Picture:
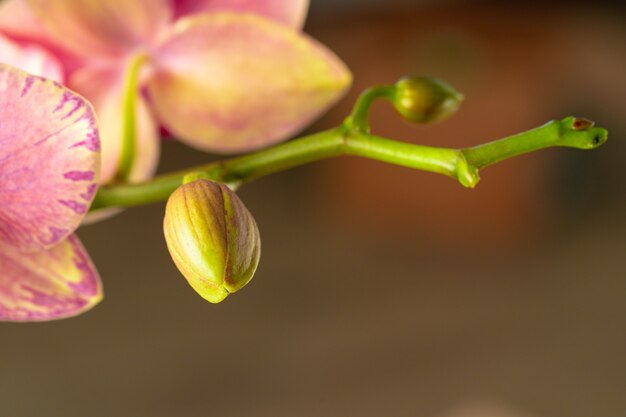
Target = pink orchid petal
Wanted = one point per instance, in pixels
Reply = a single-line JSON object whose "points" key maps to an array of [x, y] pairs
{"points": [[49, 160], [51, 284], [20, 24], [30, 58], [227, 82], [103, 87], [18, 20], [289, 12], [103, 28]]}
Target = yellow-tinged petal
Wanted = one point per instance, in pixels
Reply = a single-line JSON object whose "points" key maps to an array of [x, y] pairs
{"points": [[227, 82], [103, 86], [103, 28], [288, 12], [46, 285]]}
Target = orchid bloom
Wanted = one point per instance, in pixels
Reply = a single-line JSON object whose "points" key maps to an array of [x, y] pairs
{"points": [[221, 75], [49, 163]]}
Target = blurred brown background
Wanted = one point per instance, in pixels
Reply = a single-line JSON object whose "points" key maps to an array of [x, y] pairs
{"points": [[384, 291]]}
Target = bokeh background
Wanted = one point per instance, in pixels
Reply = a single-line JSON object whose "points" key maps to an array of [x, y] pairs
{"points": [[384, 291]]}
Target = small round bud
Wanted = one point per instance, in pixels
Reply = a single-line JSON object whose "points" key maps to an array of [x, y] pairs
{"points": [[212, 238], [425, 99]]}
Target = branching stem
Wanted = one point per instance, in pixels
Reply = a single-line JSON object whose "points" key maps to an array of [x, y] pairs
{"points": [[459, 164]]}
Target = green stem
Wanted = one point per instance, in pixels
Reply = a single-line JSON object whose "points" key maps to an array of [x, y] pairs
{"points": [[359, 119], [234, 171], [129, 110], [460, 164], [446, 161], [570, 132]]}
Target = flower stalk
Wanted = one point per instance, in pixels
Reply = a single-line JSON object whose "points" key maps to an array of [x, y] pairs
{"points": [[129, 111], [353, 138]]}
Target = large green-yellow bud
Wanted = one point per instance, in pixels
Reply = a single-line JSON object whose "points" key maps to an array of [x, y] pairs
{"points": [[425, 99], [212, 237]]}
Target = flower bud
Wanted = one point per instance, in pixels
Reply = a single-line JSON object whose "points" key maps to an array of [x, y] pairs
{"points": [[425, 99], [212, 238]]}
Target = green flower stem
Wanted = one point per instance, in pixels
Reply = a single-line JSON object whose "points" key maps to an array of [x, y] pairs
{"points": [[460, 164], [359, 119], [129, 110], [232, 171], [450, 162], [572, 132]]}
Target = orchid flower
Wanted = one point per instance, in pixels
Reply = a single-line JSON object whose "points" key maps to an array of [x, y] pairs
{"points": [[222, 76], [49, 163]]}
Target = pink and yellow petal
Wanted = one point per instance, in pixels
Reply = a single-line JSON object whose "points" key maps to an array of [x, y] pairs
{"points": [[49, 160], [30, 58], [103, 86], [51, 284], [289, 12], [227, 82], [103, 28]]}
